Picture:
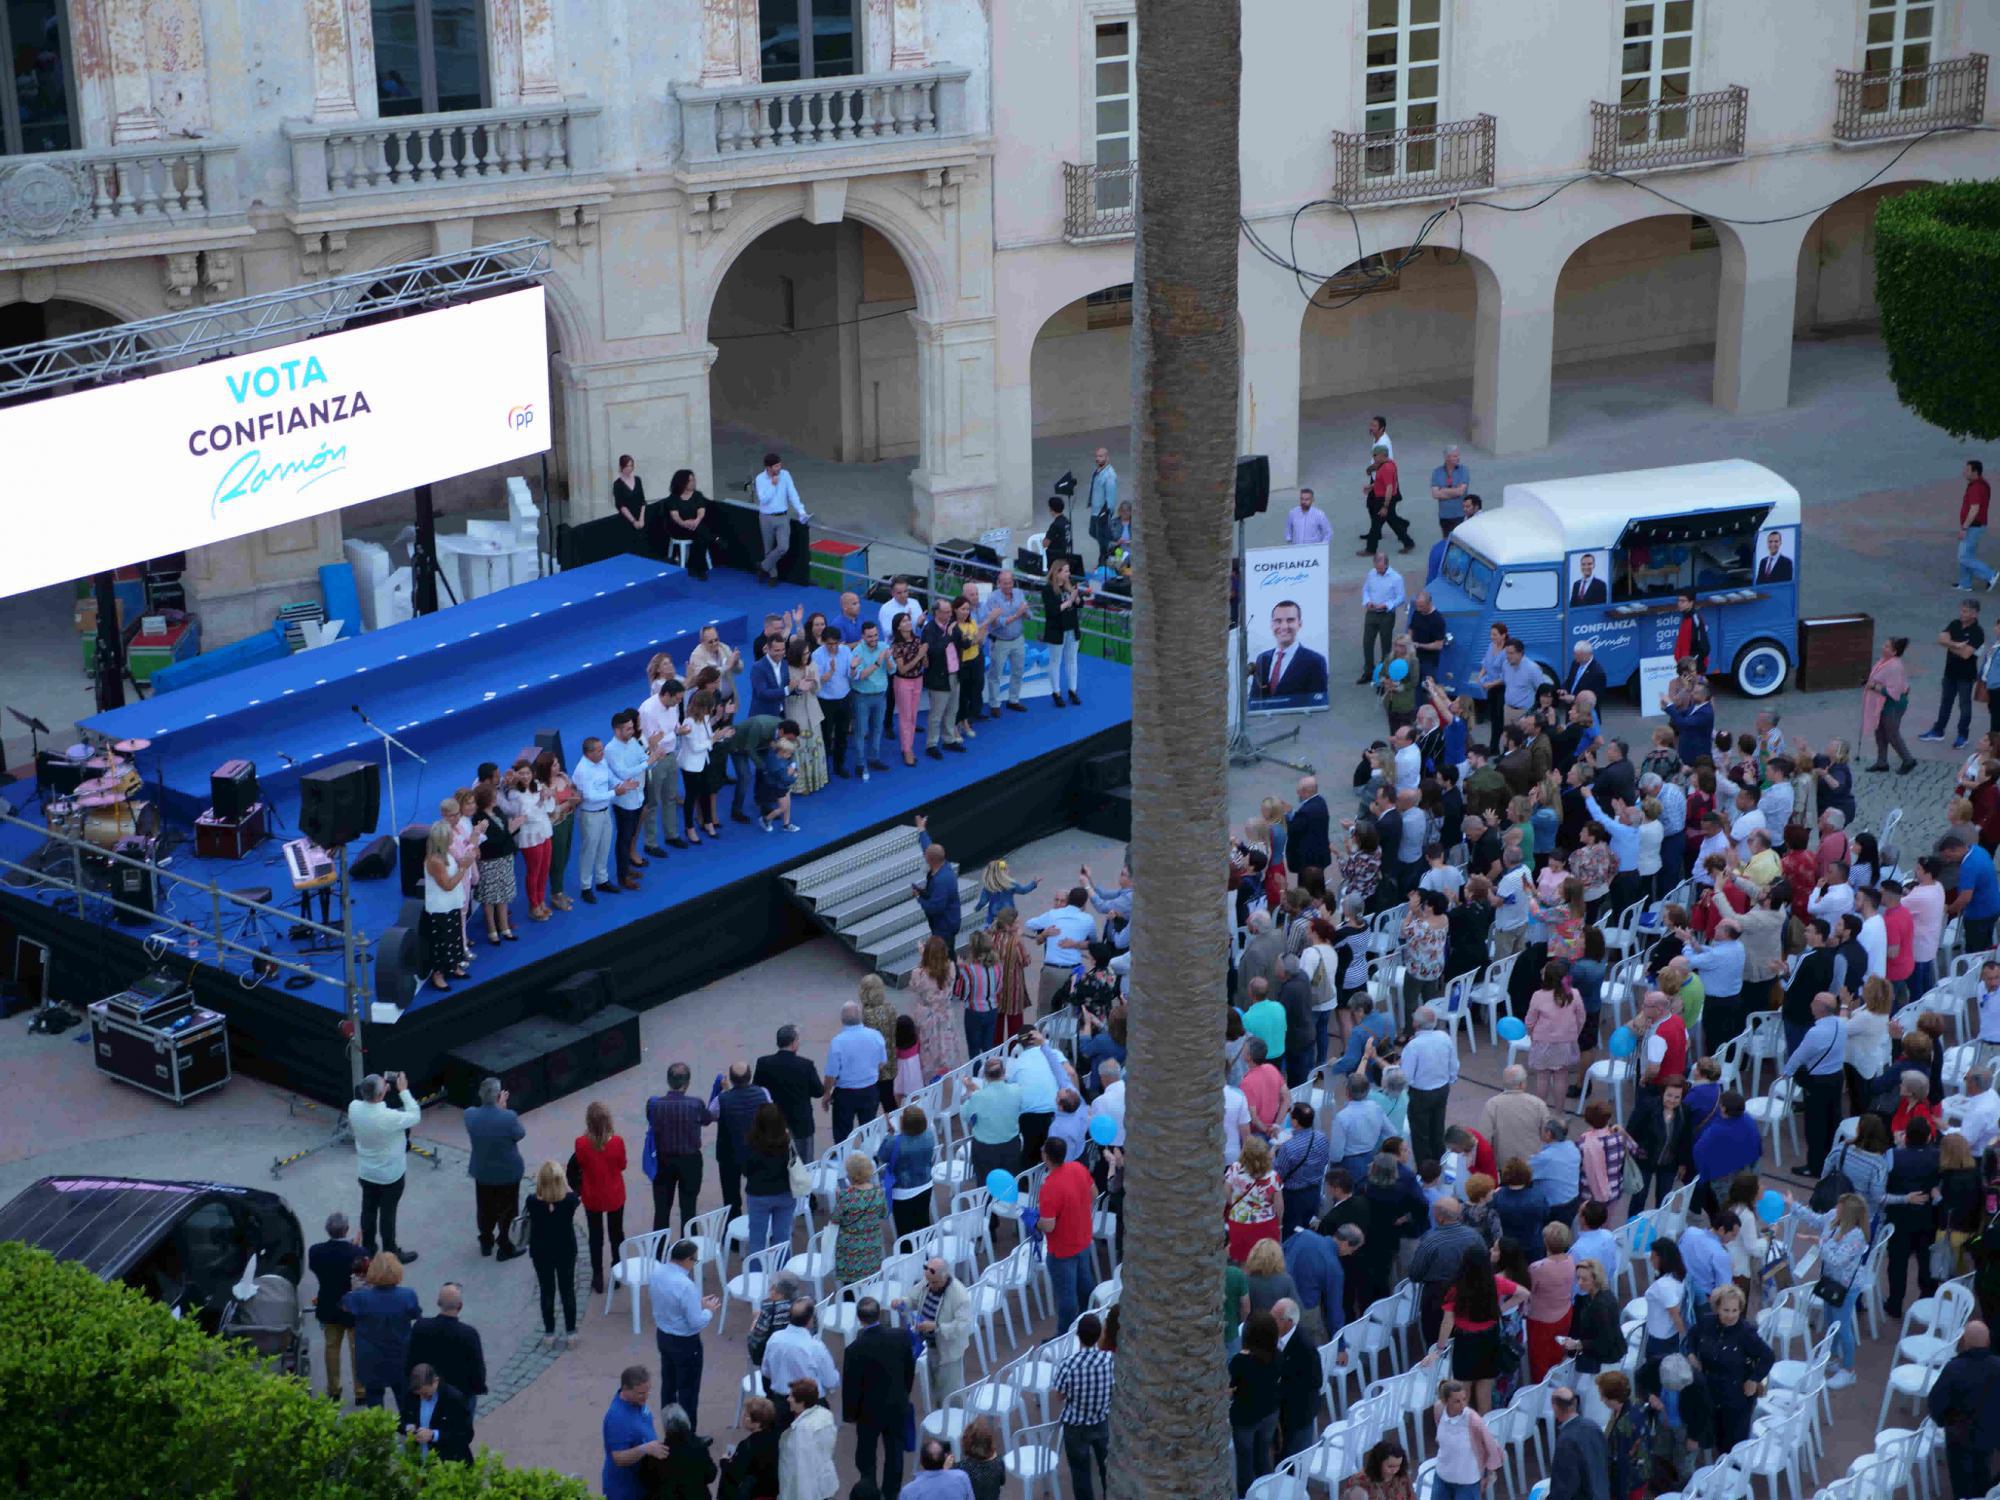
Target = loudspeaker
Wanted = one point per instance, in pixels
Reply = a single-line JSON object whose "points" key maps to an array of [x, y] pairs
{"points": [[232, 791], [505, 1055], [612, 1036], [131, 885], [341, 803], [569, 1062], [1253, 486], [398, 966], [579, 997], [376, 860], [551, 740], [1102, 773], [56, 774], [410, 847]]}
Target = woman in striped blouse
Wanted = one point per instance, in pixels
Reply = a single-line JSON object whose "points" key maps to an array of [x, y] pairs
{"points": [[976, 986]]}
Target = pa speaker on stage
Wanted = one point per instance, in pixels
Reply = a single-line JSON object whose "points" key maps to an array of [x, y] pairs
{"points": [[341, 803], [376, 860], [613, 1037], [1253, 486], [398, 966], [514, 1059], [411, 846], [232, 791], [1102, 773]]}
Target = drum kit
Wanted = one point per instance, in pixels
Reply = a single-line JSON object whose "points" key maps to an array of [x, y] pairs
{"points": [[105, 807]]}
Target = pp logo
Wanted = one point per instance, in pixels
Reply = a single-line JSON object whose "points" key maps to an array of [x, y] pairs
{"points": [[521, 416]]}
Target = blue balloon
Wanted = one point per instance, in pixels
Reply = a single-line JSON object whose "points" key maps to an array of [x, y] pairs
{"points": [[1623, 1043], [1104, 1130], [1001, 1186], [1512, 1028], [1398, 670], [1771, 1206]]}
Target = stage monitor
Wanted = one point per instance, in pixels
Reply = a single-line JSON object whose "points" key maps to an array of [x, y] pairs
{"points": [[253, 441]]}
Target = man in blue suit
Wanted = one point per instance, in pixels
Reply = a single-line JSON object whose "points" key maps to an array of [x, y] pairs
{"points": [[937, 892], [770, 680]]}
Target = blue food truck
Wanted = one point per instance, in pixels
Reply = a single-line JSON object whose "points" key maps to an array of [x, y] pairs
{"points": [[1603, 557]]}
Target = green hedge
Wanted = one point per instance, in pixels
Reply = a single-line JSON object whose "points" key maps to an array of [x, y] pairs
{"points": [[1937, 280], [103, 1393]]}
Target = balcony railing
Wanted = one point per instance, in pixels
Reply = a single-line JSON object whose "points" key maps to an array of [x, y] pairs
{"points": [[1100, 203], [1421, 161], [422, 153], [1668, 132], [62, 194], [863, 111], [1909, 101]]}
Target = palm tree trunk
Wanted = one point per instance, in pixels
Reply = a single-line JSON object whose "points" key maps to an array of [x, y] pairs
{"points": [[1170, 1422]]}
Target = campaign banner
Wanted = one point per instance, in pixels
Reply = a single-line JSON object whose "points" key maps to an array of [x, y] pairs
{"points": [[1285, 613], [242, 444]]}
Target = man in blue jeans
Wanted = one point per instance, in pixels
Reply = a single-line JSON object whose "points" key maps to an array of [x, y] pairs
{"points": [[1961, 640], [680, 1312], [1067, 1209]]}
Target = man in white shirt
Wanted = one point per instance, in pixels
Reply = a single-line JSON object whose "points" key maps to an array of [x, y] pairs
{"points": [[630, 764], [795, 1352], [1748, 820], [899, 603], [1307, 524], [1979, 1116], [1988, 1001], [381, 1140], [659, 732], [1510, 921], [1235, 1122], [1409, 759], [1378, 437], [777, 502], [1382, 594], [1874, 931], [1834, 898], [1714, 842], [1776, 802], [595, 786]]}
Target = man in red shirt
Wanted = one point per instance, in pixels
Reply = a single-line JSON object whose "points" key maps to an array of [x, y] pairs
{"points": [[1971, 524], [1385, 492], [1067, 1209], [1901, 929]]}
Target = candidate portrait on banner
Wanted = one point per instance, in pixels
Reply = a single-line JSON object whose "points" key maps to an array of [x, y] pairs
{"points": [[1590, 579], [1774, 557], [1286, 615]]}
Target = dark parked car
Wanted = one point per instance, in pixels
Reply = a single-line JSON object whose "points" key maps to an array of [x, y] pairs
{"points": [[185, 1244]]}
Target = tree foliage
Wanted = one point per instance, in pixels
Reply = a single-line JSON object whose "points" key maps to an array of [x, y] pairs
{"points": [[1937, 281], [107, 1396]]}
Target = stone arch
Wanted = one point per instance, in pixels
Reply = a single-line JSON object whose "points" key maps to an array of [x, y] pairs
{"points": [[1837, 257], [1080, 359]]}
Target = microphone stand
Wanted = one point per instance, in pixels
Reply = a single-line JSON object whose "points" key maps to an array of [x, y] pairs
{"points": [[390, 744]]}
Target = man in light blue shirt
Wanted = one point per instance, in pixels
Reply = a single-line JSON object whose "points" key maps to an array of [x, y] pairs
{"points": [[1520, 679], [1359, 1130], [1103, 504], [1065, 923], [1821, 1053], [777, 501], [854, 1061], [1449, 482], [595, 784], [680, 1312], [1040, 1072], [1623, 832], [1382, 594], [870, 669], [1002, 623], [628, 760], [1705, 1253], [993, 1115], [1673, 827], [1720, 966], [1558, 1169], [833, 665], [1595, 1242]]}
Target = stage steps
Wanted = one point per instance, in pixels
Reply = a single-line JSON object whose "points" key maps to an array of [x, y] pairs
{"points": [[861, 895]]}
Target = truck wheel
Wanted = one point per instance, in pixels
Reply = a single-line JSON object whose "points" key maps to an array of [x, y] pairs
{"points": [[1761, 670]]}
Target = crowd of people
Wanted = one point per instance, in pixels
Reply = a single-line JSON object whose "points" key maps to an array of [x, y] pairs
{"points": [[817, 698]]}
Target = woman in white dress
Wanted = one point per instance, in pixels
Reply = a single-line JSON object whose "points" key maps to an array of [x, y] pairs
{"points": [[805, 1451]]}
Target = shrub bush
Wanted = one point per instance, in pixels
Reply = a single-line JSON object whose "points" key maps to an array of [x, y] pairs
{"points": [[107, 1396], [1937, 281]]}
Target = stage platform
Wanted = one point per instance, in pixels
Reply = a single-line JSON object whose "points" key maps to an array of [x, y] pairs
{"points": [[473, 683]]}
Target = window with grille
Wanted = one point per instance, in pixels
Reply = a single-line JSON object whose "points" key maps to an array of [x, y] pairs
{"points": [[37, 100], [1898, 36], [1110, 308], [1402, 65], [1114, 116], [430, 56], [1656, 66]]}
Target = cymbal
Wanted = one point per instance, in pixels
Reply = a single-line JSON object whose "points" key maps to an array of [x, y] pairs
{"points": [[131, 747], [96, 785]]}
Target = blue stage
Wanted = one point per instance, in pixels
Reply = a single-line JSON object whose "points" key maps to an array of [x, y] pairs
{"points": [[472, 684]]}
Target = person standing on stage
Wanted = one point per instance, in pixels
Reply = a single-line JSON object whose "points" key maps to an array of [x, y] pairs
{"points": [[497, 887], [777, 502], [595, 784], [1002, 618], [659, 732], [833, 664], [442, 927], [628, 494], [1062, 603], [562, 822], [629, 761]]}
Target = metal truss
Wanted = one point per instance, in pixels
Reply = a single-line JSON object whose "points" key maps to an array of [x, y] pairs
{"points": [[237, 326]]}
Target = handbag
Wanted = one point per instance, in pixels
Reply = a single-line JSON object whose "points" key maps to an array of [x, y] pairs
{"points": [[573, 1171], [1830, 1188], [1943, 1257], [798, 1176], [1631, 1181], [649, 1156]]}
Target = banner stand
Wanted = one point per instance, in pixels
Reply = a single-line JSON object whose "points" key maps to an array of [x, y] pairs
{"points": [[1243, 749]]}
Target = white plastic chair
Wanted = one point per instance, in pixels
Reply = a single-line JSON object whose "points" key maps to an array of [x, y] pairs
{"points": [[1766, 1032], [633, 1269], [1773, 1455], [1912, 1382], [1034, 1458], [1611, 1073], [814, 1264], [1454, 1010], [1513, 1427], [1953, 1307], [1490, 994], [1773, 1115]]}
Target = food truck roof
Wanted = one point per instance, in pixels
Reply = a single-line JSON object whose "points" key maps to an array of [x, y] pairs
{"points": [[1543, 520]]}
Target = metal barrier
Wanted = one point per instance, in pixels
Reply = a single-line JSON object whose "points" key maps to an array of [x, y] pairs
{"points": [[76, 885]]}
